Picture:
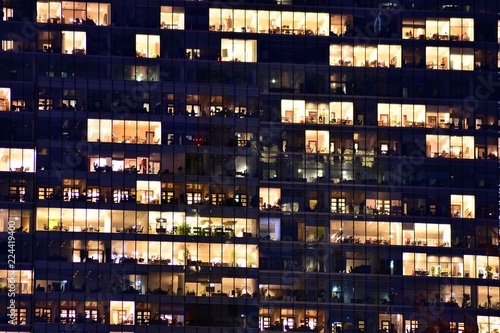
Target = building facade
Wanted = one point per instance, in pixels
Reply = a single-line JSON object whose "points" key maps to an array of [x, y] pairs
{"points": [[203, 166]]}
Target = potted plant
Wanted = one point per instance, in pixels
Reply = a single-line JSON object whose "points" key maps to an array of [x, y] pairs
{"points": [[187, 257], [251, 261], [183, 229], [190, 292], [433, 270], [489, 273], [233, 258]]}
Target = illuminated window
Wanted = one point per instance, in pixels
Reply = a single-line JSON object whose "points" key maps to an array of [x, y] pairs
{"points": [[298, 111], [270, 228], [67, 316], [8, 14], [148, 192], [338, 205], [455, 29], [122, 313], [481, 267], [340, 24], [23, 280], [7, 45], [444, 146], [74, 42], [21, 317], [341, 113], [71, 193], [120, 131], [5, 99], [264, 21], [43, 315], [92, 315], [401, 115], [365, 56], [193, 198], [121, 195], [462, 59], [93, 194], [265, 322], [72, 12], [498, 31], [317, 141], [422, 264], [18, 160], [17, 193], [241, 199], [147, 46], [238, 50], [413, 29], [45, 193], [423, 234], [446, 58], [172, 17], [488, 324], [143, 317], [462, 206]]}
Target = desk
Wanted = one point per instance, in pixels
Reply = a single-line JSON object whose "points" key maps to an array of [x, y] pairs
{"points": [[159, 262], [421, 272], [161, 230]]}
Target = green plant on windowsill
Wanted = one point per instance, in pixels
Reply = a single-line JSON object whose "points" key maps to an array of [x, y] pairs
{"points": [[233, 258], [190, 292], [185, 259], [183, 229], [251, 261], [489, 273]]}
